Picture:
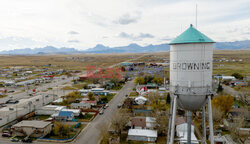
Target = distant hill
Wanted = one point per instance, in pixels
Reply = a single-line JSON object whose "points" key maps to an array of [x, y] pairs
{"points": [[44, 50], [132, 48], [233, 45], [135, 48]]}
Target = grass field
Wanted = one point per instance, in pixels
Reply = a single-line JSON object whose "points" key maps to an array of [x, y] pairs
{"points": [[80, 62], [226, 68], [71, 62]]}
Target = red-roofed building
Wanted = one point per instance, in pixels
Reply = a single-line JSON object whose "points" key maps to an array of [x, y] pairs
{"points": [[138, 123]]}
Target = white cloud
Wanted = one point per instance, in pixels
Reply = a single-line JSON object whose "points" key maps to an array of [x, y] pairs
{"points": [[37, 23]]}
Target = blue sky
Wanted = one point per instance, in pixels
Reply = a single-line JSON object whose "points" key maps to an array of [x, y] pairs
{"points": [[85, 23]]}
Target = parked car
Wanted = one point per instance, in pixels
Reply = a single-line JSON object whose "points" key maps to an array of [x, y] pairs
{"points": [[119, 105], [27, 140], [11, 101], [106, 106], [6, 134], [101, 112], [11, 91], [15, 140], [3, 105]]}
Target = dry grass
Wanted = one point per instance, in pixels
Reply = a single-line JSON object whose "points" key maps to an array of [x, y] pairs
{"points": [[226, 68], [75, 62], [81, 61]]}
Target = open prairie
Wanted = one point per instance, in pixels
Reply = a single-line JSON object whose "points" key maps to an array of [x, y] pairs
{"points": [[71, 62], [226, 62]]}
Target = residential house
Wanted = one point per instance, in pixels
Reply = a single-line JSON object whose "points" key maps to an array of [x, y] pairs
{"points": [[64, 116], [143, 123], [140, 100], [58, 101], [96, 91], [92, 103], [49, 110], [244, 131], [32, 128], [80, 105], [76, 112], [228, 78], [142, 135]]}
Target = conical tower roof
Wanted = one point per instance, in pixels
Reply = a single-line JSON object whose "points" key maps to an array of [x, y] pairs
{"points": [[191, 35]]}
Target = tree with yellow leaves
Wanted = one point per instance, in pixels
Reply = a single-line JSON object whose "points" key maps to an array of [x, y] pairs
{"points": [[223, 102]]}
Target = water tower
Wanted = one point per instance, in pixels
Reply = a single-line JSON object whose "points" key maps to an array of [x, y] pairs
{"points": [[191, 59]]}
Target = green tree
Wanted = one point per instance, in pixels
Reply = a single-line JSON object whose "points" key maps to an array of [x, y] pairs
{"points": [[238, 75], [61, 130], [148, 79], [139, 80], [157, 80], [220, 88], [91, 96]]}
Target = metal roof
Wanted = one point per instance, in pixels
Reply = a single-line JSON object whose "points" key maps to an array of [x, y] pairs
{"points": [[191, 35], [142, 132], [32, 123], [65, 113]]}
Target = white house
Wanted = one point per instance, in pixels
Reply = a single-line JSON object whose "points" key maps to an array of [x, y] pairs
{"points": [[141, 100], [80, 105], [49, 110], [142, 135], [228, 78]]}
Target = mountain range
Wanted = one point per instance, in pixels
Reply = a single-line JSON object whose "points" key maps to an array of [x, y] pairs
{"points": [[132, 48]]}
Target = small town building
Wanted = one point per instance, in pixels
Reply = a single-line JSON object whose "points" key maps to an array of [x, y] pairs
{"points": [[143, 122], [80, 105], [228, 78], [76, 112], [142, 135], [49, 110], [32, 128], [64, 116], [96, 91], [140, 100], [58, 101], [244, 131], [92, 103]]}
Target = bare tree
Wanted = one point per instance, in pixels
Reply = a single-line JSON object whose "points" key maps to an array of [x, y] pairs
{"points": [[120, 121], [162, 123], [217, 114]]}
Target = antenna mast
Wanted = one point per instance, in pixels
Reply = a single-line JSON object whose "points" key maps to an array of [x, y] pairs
{"points": [[196, 16]]}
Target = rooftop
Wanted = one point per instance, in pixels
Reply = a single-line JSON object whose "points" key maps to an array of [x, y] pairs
{"points": [[142, 132], [65, 113], [32, 123], [191, 35]]}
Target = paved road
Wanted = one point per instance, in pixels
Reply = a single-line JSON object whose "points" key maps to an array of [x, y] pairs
{"points": [[91, 134], [24, 95]]}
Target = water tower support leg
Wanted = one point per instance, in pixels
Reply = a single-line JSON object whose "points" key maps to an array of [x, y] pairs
{"points": [[169, 120], [204, 124], [210, 120], [189, 119], [173, 120]]}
